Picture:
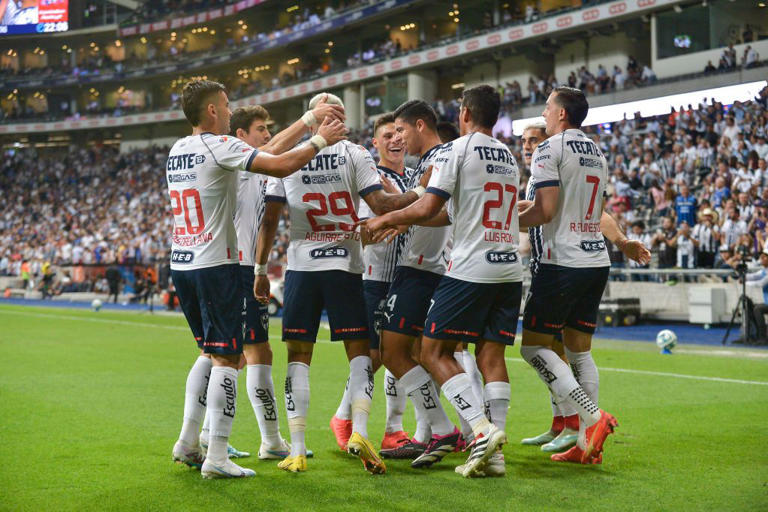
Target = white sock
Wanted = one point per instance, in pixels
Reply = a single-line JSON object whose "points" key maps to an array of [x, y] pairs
{"points": [[585, 370], [496, 396], [558, 377], [418, 385], [344, 411], [195, 400], [261, 393], [360, 393], [222, 400], [205, 432], [395, 398], [566, 409], [458, 389], [296, 405], [466, 428], [423, 431], [555, 407], [470, 366]]}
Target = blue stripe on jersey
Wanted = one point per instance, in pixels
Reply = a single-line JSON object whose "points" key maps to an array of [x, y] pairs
{"points": [[439, 192], [421, 168], [392, 258], [250, 159], [368, 190], [274, 199], [534, 235], [548, 183]]}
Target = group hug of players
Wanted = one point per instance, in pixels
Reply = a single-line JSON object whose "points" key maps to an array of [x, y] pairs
{"points": [[425, 264]]}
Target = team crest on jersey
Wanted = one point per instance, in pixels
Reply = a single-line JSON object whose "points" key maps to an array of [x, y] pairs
{"points": [[342, 160]]}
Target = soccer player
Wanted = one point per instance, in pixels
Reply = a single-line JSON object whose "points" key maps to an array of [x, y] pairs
{"points": [[478, 298], [201, 174], [379, 262], [419, 270], [250, 124], [565, 422], [324, 272], [573, 269]]}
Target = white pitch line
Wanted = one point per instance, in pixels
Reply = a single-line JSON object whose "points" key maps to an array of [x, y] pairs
{"points": [[180, 328], [668, 374]]}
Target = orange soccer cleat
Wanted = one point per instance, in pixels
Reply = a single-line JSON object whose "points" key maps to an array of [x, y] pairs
{"points": [[394, 440], [342, 429], [575, 455], [596, 435]]}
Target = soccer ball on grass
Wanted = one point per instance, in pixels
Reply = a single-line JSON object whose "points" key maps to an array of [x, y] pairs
{"points": [[666, 341], [96, 304]]}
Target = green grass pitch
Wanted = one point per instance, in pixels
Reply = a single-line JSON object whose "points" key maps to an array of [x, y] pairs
{"points": [[91, 404]]}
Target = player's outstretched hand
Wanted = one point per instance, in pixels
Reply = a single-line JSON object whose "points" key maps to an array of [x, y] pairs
{"points": [[332, 131], [261, 289], [424, 180], [389, 187], [389, 234], [324, 110], [635, 250]]}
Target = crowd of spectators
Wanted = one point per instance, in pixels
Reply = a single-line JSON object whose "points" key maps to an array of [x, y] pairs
{"points": [[692, 185]]}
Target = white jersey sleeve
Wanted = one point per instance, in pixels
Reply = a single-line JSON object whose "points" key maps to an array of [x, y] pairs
{"points": [[251, 189], [201, 177], [323, 198], [480, 176], [571, 161], [427, 248]]}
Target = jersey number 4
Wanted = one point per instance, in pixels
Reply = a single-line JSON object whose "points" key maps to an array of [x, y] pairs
{"points": [[493, 204], [347, 207], [180, 202]]}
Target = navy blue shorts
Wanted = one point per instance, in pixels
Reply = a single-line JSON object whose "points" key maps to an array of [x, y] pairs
{"points": [[212, 301], [339, 293], [564, 297], [410, 295], [375, 299], [256, 314], [466, 311]]}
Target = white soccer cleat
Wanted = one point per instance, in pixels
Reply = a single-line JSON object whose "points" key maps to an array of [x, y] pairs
{"points": [[278, 452], [484, 446], [232, 452], [495, 465], [192, 456], [227, 470]]}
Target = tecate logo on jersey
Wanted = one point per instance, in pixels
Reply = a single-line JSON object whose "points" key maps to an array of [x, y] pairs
{"points": [[183, 162], [500, 257], [326, 162], [592, 245], [182, 256], [331, 252]]}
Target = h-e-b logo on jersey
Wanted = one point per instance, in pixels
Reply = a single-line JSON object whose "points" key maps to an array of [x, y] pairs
{"points": [[182, 257], [331, 252]]}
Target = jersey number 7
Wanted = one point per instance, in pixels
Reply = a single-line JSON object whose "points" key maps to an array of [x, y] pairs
{"points": [[595, 181]]}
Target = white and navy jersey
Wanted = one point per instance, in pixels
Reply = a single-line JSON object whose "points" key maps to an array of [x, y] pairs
{"points": [[323, 198], [571, 161], [202, 172], [480, 176], [427, 248], [534, 233], [249, 212], [381, 259]]}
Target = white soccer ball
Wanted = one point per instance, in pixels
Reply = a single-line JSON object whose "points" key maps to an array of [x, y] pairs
{"points": [[96, 304], [666, 339]]}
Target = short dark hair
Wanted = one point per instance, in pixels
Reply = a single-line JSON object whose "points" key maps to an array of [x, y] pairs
{"points": [[194, 97], [383, 119], [484, 104], [447, 131], [243, 117], [413, 110], [574, 102]]}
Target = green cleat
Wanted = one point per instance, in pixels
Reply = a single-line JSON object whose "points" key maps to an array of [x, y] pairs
{"points": [[565, 440], [541, 439]]}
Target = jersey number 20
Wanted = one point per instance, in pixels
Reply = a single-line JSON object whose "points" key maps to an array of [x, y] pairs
{"points": [[180, 202]]}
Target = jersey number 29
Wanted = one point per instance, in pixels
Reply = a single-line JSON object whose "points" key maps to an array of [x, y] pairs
{"points": [[347, 208]]}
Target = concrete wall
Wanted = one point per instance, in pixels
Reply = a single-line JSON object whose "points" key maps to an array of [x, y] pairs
{"points": [[696, 62], [609, 51]]}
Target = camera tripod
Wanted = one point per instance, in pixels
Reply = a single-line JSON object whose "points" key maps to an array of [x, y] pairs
{"points": [[741, 308]]}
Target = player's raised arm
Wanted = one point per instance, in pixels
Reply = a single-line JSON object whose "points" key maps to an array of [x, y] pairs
{"points": [[382, 202], [280, 166], [288, 138]]}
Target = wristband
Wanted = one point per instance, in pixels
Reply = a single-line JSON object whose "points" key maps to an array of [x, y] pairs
{"points": [[309, 119], [259, 270], [318, 142], [420, 191]]}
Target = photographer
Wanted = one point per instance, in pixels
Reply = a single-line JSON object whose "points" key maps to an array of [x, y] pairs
{"points": [[759, 279]]}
